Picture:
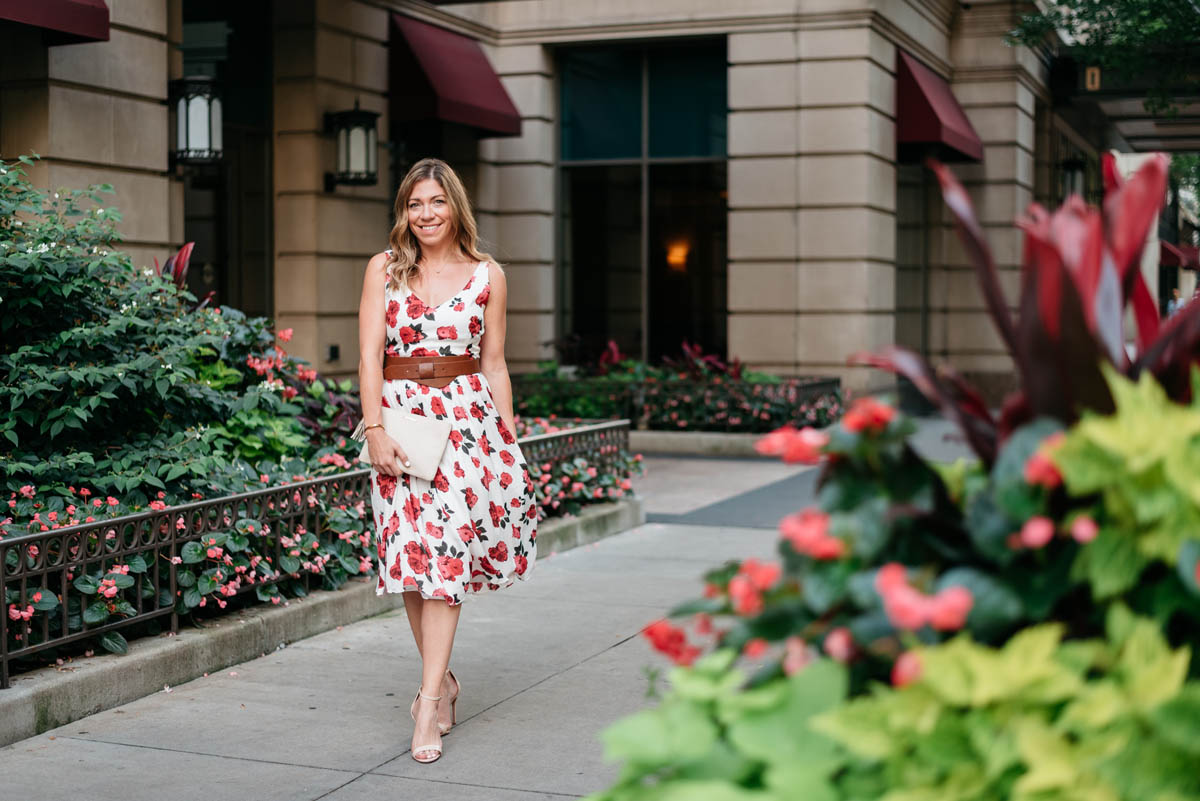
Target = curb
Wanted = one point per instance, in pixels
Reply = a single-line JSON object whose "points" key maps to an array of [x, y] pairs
{"points": [[695, 443], [44, 699]]}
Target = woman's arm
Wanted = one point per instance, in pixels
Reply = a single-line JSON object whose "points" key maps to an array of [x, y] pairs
{"points": [[372, 336], [491, 347]]}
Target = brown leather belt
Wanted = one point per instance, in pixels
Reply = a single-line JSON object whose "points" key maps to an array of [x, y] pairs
{"points": [[433, 371]]}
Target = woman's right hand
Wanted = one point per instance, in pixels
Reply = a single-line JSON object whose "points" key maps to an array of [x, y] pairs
{"points": [[385, 453]]}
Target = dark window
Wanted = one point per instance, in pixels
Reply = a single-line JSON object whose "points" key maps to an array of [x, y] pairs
{"points": [[643, 206]]}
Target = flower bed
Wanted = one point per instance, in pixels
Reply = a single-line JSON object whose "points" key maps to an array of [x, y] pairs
{"points": [[674, 403], [1024, 626]]}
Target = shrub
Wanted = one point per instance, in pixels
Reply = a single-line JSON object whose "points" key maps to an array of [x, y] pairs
{"points": [[1036, 611]]}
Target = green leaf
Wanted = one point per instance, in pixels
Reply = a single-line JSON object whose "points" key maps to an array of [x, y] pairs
{"points": [[677, 731], [121, 580], [114, 643], [87, 584], [185, 578], [96, 612], [289, 563], [191, 597], [206, 584], [1112, 563], [46, 602], [1177, 720], [136, 564], [192, 553]]}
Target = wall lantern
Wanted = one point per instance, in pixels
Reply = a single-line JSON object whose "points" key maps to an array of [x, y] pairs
{"points": [[197, 120], [357, 147]]}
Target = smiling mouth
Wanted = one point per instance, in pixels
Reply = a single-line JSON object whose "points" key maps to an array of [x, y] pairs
{"points": [[428, 228]]}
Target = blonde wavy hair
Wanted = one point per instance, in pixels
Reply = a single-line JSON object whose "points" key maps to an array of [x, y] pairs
{"points": [[406, 249]]}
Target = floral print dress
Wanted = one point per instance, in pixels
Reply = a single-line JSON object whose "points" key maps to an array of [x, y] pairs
{"points": [[475, 524]]}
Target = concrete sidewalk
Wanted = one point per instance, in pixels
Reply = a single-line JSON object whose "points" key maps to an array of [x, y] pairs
{"points": [[545, 665]]}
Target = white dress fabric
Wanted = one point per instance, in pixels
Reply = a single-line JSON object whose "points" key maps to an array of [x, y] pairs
{"points": [[475, 524]]}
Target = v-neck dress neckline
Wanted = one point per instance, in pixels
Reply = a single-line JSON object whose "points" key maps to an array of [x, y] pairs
{"points": [[463, 288]]}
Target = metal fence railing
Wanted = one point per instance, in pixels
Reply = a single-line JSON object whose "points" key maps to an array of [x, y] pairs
{"points": [[54, 561]]}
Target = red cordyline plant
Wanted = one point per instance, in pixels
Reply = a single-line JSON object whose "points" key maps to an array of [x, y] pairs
{"points": [[1080, 269]]}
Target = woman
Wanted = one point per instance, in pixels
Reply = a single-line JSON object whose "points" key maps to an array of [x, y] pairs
{"points": [[431, 334]]}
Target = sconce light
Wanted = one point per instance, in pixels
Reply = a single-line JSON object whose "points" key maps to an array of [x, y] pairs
{"points": [[357, 147], [677, 255], [197, 120]]}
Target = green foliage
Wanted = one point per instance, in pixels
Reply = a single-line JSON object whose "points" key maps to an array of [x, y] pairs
{"points": [[1137, 40]]}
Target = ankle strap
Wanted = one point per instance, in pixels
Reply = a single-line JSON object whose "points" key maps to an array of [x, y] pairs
{"points": [[421, 693]]}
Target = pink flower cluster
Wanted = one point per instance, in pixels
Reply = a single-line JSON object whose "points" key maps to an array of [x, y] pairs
{"points": [[1039, 469], [751, 581], [1039, 530], [808, 533], [803, 446], [672, 641], [868, 415], [909, 608]]}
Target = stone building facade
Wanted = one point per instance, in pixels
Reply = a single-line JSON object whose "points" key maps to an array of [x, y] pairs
{"points": [[786, 222]]}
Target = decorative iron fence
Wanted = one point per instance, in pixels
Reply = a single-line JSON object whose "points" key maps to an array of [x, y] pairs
{"points": [[55, 572], [719, 404]]}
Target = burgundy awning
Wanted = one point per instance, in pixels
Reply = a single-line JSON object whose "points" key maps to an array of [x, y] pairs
{"points": [[66, 21], [437, 74], [1178, 256], [929, 120]]}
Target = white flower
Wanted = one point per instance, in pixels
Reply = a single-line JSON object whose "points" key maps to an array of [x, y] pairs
{"points": [[146, 271]]}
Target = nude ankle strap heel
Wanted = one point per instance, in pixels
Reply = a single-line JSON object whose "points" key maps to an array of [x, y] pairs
{"points": [[435, 748]]}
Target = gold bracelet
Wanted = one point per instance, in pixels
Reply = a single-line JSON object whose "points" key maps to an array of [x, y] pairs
{"points": [[373, 425]]}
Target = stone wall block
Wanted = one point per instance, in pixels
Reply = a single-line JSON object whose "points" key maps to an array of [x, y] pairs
{"points": [[762, 86], [762, 182], [763, 338], [759, 47], [846, 130], [847, 233], [762, 133], [762, 235], [762, 286]]}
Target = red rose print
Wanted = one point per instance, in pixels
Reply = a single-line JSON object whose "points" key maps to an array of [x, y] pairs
{"points": [[381, 548], [505, 480], [387, 485], [415, 308], [440, 593], [505, 435], [409, 581], [470, 497], [409, 392], [460, 306], [422, 352], [516, 502], [482, 298], [499, 552], [460, 413], [468, 531], [396, 570], [418, 557], [458, 471], [393, 525], [426, 498], [433, 531], [449, 567], [485, 447], [435, 403], [497, 513], [412, 509], [440, 482], [477, 411], [522, 564], [475, 326], [456, 438], [487, 478], [531, 512], [507, 458], [447, 332], [409, 335], [475, 383], [393, 312], [487, 568]]}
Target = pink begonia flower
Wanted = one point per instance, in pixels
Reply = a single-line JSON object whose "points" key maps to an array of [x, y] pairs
{"points": [[797, 655], [906, 670], [1084, 529], [950, 608], [1037, 531], [755, 648], [839, 644], [907, 608], [808, 533], [1040, 471]]}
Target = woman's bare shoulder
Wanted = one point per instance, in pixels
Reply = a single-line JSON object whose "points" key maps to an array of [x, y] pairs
{"points": [[378, 263]]}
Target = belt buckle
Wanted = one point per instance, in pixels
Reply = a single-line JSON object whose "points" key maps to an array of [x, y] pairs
{"points": [[425, 370]]}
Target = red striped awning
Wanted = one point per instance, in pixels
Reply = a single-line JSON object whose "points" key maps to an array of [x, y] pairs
{"points": [[1183, 256], [437, 74], [65, 21], [929, 120]]}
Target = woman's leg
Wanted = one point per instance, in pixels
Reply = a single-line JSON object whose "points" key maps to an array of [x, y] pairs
{"points": [[413, 604], [438, 623]]}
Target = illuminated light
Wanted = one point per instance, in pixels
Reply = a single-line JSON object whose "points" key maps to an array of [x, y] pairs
{"points": [[677, 254]]}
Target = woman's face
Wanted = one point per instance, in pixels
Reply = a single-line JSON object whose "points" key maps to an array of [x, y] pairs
{"points": [[429, 214]]}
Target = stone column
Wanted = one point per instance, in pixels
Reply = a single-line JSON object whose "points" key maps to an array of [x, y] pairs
{"points": [[328, 54], [812, 200], [515, 199], [998, 86], [96, 113]]}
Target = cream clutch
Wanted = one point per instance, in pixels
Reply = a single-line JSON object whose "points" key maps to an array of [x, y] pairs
{"points": [[422, 438]]}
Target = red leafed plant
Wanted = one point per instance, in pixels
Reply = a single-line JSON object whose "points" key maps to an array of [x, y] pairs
{"points": [[1080, 269]]}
